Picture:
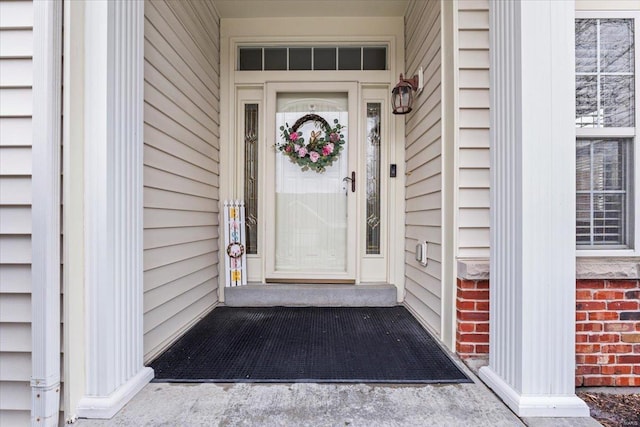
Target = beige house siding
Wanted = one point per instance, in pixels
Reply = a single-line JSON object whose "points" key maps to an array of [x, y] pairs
{"points": [[473, 129], [16, 79], [424, 164], [181, 167]]}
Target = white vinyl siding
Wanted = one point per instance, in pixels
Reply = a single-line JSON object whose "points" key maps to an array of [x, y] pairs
{"points": [[473, 129], [423, 146], [181, 168], [16, 51]]}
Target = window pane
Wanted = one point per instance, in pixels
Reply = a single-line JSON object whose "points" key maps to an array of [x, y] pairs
{"points": [[616, 45], [349, 58], [617, 101], [250, 59], [605, 95], [251, 176], [374, 58], [586, 45], [586, 102], [324, 58], [282, 58], [300, 58], [373, 177], [583, 165], [608, 219], [275, 58], [583, 219], [608, 166], [602, 192]]}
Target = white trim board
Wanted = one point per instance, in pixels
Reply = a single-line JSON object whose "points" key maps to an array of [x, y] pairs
{"points": [[46, 235]]}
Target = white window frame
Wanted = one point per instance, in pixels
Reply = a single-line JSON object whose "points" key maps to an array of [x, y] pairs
{"points": [[634, 185]]}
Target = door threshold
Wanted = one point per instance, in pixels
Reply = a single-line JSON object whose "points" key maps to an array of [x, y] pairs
{"points": [[319, 295], [312, 281]]}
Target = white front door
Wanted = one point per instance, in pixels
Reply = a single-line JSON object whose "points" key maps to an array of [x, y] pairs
{"points": [[311, 196]]}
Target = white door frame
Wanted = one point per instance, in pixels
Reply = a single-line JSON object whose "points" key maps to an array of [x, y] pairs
{"points": [[369, 268]]}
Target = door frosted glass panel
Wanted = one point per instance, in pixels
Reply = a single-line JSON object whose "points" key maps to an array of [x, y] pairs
{"points": [[311, 207]]}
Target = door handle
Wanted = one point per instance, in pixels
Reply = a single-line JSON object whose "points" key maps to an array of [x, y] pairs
{"points": [[351, 179]]}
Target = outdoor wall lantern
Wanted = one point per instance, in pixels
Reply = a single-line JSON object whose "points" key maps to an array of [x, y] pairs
{"points": [[402, 94]]}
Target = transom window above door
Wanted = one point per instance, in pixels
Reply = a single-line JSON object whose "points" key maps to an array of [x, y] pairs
{"points": [[312, 58]]}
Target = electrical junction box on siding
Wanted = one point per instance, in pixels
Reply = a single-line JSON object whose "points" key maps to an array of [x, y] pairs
{"points": [[421, 253]]}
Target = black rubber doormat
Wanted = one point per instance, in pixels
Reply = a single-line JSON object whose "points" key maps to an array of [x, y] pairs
{"points": [[307, 344]]}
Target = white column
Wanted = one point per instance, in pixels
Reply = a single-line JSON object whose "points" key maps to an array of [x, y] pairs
{"points": [[113, 206], [45, 268], [532, 350]]}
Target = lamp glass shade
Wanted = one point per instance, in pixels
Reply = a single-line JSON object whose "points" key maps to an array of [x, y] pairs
{"points": [[402, 98]]}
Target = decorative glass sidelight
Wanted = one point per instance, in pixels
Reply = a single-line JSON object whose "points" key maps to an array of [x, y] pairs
{"points": [[251, 176], [373, 177]]}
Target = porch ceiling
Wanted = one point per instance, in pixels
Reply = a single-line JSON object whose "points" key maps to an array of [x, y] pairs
{"points": [[311, 8]]}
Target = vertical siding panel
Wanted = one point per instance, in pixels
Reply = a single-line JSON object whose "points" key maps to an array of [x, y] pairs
{"points": [[181, 152], [424, 164], [473, 129], [16, 58]]}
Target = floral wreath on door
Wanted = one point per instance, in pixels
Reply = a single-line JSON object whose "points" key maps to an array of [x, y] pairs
{"points": [[320, 151]]}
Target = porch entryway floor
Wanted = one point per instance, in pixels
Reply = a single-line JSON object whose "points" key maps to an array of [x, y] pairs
{"points": [[313, 404], [308, 344], [322, 405]]}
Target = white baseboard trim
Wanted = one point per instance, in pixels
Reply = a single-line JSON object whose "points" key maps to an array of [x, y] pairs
{"points": [[534, 405], [106, 407]]}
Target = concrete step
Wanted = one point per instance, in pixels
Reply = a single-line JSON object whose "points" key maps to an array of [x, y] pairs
{"points": [[318, 295]]}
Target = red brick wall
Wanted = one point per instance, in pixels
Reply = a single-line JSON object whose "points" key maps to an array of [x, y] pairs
{"points": [[608, 333], [472, 308], [607, 329]]}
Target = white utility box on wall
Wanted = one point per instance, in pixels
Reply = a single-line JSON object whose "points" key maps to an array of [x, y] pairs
{"points": [[421, 253]]}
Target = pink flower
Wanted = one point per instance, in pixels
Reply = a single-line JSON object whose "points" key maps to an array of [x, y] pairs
{"points": [[287, 149], [293, 136], [327, 149], [314, 156], [334, 137], [302, 152]]}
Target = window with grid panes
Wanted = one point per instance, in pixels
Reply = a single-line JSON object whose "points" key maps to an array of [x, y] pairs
{"points": [[312, 58], [606, 123]]}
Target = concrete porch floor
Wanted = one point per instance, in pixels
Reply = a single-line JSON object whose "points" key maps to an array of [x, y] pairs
{"points": [[162, 404]]}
